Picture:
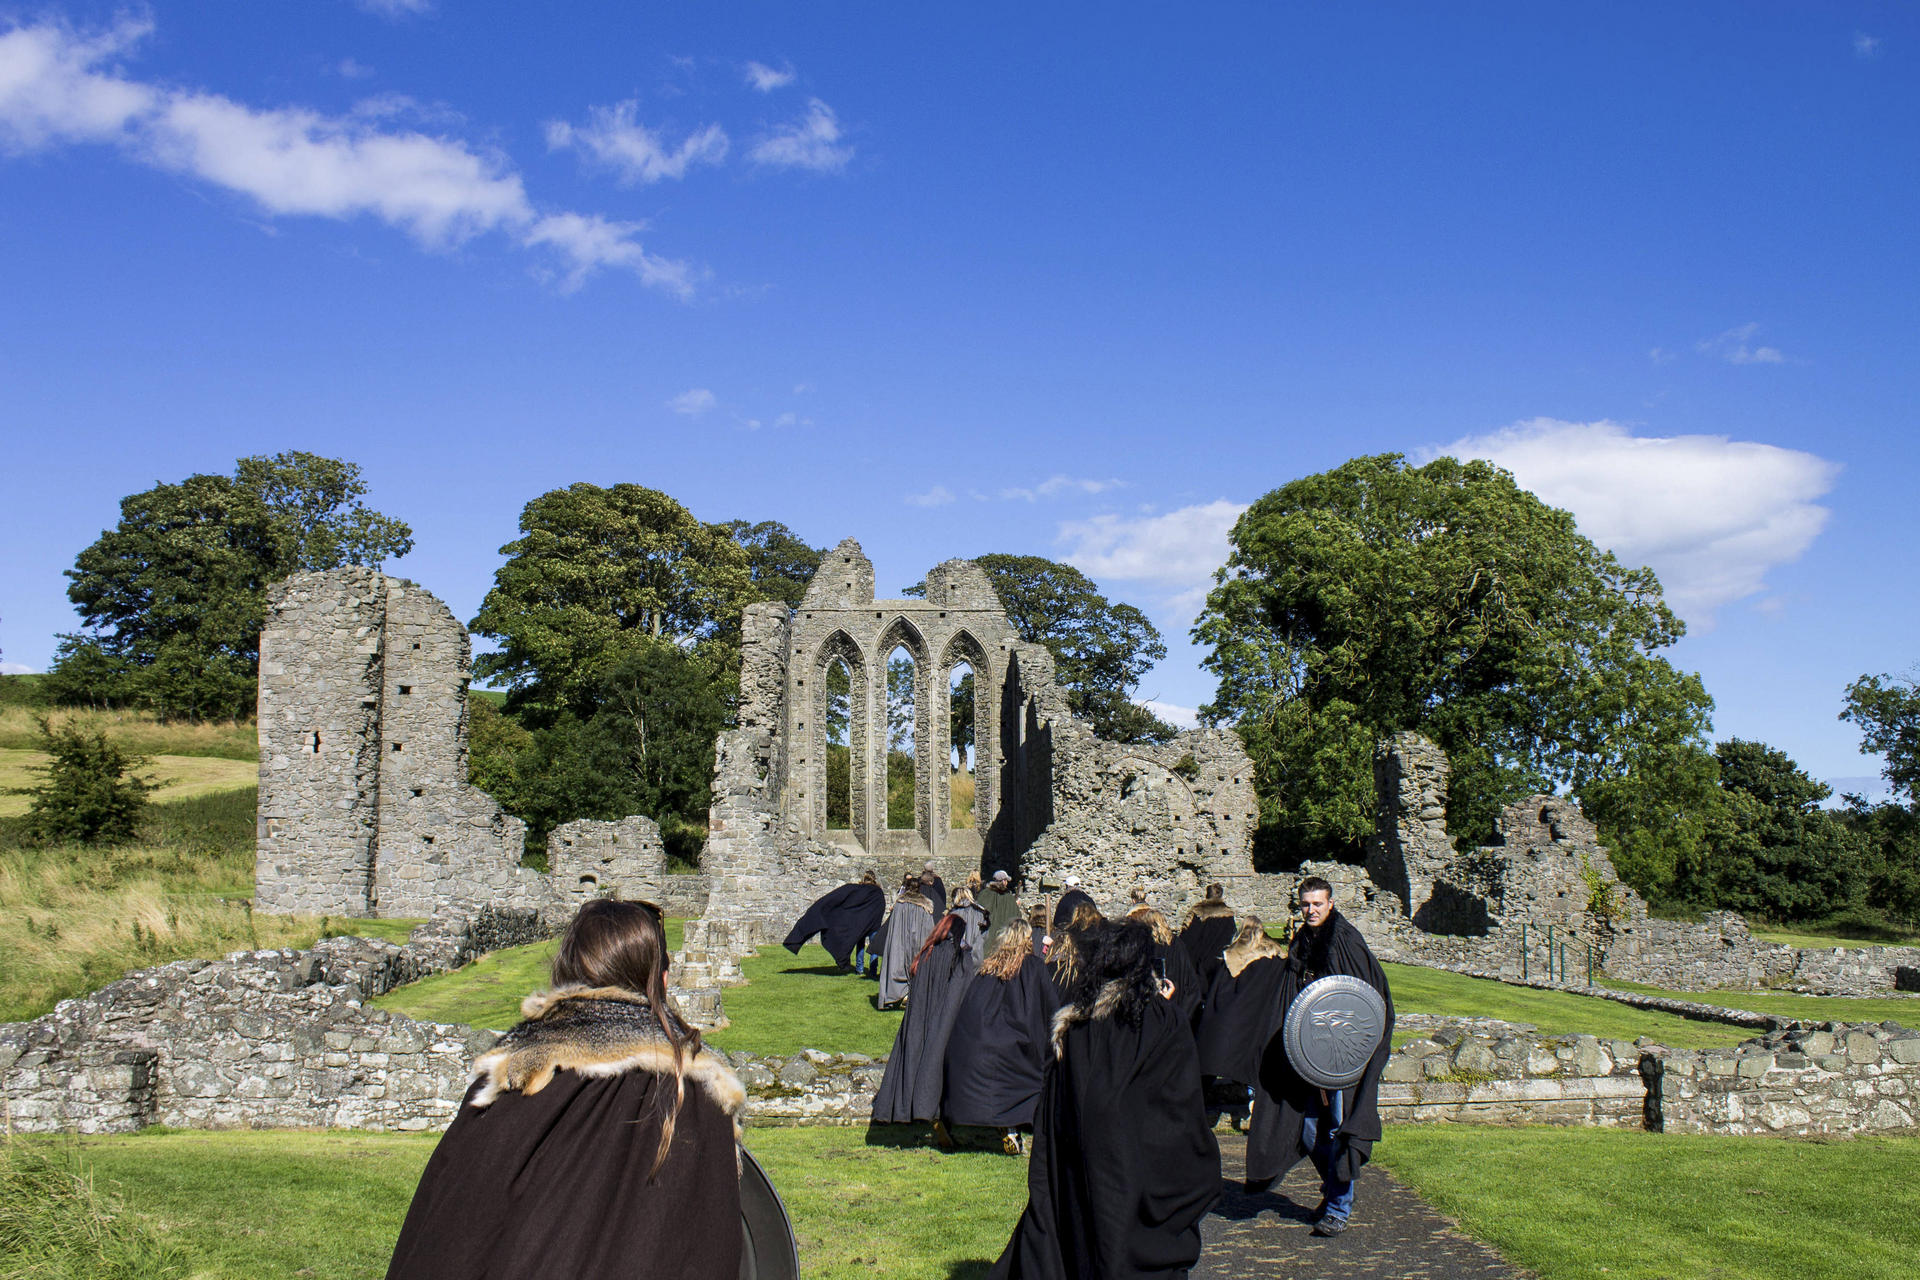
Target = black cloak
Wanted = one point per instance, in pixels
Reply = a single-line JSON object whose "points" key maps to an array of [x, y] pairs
{"points": [[910, 1089], [998, 1048], [1239, 1018], [1124, 1166], [937, 893], [1189, 988], [1207, 937], [845, 918], [1070, 901], [545, 1169], [1281, 1097]]}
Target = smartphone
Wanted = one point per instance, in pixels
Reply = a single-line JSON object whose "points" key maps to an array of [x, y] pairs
{"points": [[1160, 968]]}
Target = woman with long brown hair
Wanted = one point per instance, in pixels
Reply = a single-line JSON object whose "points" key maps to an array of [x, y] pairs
{"points": [[910, 1090], [599, 1138], [998, 1047]]}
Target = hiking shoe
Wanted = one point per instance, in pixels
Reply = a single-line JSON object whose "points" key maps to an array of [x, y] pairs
{"points": [[1010, 1144], [1329, 1225]]}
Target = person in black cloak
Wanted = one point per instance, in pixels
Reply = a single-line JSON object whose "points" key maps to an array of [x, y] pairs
{"points": [[907, 930], [998, 1045], [1230, 1032], [1064, 957], [1037, 926], [1207, 931], [910, 1089], [1124, 1166], [1187, 987], [1292, 1119], [934, 888], [599, 1138], [844, 918], [1072, 900], [974, 923]]}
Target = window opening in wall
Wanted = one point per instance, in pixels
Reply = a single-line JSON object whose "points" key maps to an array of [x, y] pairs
{"points": [[902, 799], [396, 746], [313, 742], [961, 780], [405, 689], [839, 753], [416, 644], [418, 792]]}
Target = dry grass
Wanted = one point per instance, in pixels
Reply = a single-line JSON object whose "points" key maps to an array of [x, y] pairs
{"points": [[74, 918], [137, 732], [961, 786], [179, 777]]}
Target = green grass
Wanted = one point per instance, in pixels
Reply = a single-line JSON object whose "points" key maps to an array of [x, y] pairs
{"points": [[393, 930], [1417, 990], [488, 992], [138, 732], [1572, 1203], [1786, 1004], [178, 777], [330, 1204], [790, 1003], [1839, 937]]}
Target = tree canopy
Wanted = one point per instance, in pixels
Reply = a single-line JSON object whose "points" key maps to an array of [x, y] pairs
{"points": [[1888, 713], [174, 596], [1100, 649], [1381, 596]]}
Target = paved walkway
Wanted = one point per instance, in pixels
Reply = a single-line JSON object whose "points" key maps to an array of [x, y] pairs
{"points": [[1394, 1236]]}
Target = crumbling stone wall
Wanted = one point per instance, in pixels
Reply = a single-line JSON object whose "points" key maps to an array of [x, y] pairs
{"points": [[592, 859], [1808, 1080]]}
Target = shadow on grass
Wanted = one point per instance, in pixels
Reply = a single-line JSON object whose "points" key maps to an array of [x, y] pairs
{"points": [[971, 1269], [904, 1137], [822, 970]]}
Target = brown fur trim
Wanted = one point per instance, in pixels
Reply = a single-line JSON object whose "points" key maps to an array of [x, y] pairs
{"points": [[1239, 957], [916, 900], [1208, 909], [529, 1055], [1103, 1006]]}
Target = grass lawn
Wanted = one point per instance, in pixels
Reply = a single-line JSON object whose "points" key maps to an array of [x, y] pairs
{"points": [[1841, 938], [137, 731], [1786, 1004], [486, 993], [790, 1003], [1646, 1206], [180, 777], [1417, 990], [267, 1205]]}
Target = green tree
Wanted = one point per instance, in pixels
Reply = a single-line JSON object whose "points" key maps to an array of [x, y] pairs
{"points": [[92, 792], [597, 575], [1887, 710], [779, 562], [1381, 596], [1888, 713], [1770, 850], [1100, 649], [174, 596]]}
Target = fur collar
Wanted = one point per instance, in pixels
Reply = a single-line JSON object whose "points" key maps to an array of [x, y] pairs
{"points": [[598, 1032], [1239, 957], [1209, 909], [916, 900], [1104, 1005]]}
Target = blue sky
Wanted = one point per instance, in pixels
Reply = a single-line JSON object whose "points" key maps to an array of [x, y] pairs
{"points": [[1076, 281]]}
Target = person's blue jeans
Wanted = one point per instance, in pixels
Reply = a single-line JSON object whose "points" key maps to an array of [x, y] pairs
{"points": [[1319, 1134]]}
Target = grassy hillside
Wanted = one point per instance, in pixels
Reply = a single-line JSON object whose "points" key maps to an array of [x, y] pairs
{"points": [[178, 777], [137, 731]]}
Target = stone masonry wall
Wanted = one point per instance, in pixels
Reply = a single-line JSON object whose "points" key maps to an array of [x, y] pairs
{"points": [[1809, 1080]]}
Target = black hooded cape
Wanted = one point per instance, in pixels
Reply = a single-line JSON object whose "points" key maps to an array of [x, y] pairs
{"points": [[1206, 938], [544, 1171], [1189, 988], [1239, 1018], [1124, 1166], [1281, 1097], [998, 1048], [910, 1089], [844, 918], [937, 893], [1070, 901]]}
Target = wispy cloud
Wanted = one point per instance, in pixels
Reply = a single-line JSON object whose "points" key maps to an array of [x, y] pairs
{"points": [[1866, 46], [811, 142], [693, 402], [1708, 514], [352, 69], [1174, 553], [59, 86], [938, 496], [1177, 716], [15, 669], [397, 8], [614, 138], [1058, 484], [766, 79], [1735, 346]]}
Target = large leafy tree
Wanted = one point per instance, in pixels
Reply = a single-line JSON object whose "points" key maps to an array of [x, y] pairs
{"points": [[1770, 850], [173, 597], [1888, 713], [779, 561], [1100, 648], [1443, 598], [597, 575]]}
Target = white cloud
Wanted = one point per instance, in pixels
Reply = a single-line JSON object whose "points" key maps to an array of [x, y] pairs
{"points": [[1175, 553], [15, 669], [1735, 346], [397, 8], [352, 69], [1866, 46], [810, 142], [791, 419], [1708, 514], [766, 79], [58, 86], [1058, 484], [693, 403], [614, 138], [938, 496], [1177, 716]]}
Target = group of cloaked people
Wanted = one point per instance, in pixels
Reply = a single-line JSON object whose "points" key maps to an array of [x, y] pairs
{"points": [[600, 1136], [1115, 1043]]}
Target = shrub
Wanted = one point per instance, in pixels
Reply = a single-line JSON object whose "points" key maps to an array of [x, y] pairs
{"points": [[91, 794]]}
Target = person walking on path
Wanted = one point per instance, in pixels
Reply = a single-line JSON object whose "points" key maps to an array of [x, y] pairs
{"points": [[907, 929], [911, 1086], [1207, 932], [934, 888], [844, 918], [1293, 1120], [998, 1047]]}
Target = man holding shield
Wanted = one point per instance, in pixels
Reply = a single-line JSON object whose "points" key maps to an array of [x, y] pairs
{"points": [[1327, 1041]]}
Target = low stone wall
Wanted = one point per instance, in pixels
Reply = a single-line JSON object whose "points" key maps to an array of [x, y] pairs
{"points": [[683, 896], [1505, 1074], [809, 1087], [1806, 1081]]}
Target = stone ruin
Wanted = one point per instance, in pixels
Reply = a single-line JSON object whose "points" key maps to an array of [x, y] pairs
{"points": [[365, 808]]}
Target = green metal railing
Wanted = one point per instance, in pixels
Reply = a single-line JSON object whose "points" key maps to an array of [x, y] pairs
{"points": [[1556, 956]]}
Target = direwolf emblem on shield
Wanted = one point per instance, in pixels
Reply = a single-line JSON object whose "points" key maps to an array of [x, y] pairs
{"points": [[1333, 1030], [1340, 1043]]}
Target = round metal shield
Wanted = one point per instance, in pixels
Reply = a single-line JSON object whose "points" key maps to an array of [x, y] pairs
{"points": [[768, 1250], [1332, 1030]]}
